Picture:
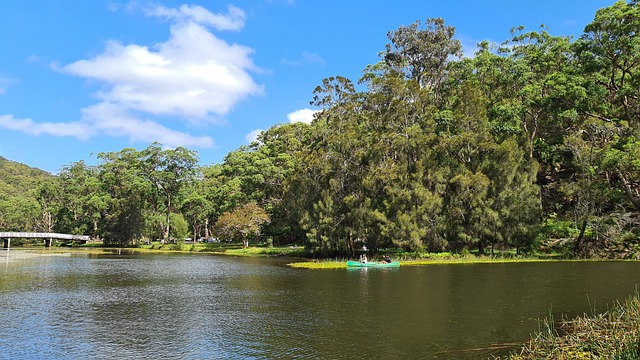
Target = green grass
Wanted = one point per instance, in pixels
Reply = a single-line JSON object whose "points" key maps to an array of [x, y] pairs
{"points": [[614, 334], [329, 264]]}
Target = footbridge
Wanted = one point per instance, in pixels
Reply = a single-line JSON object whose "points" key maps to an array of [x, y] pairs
{"points": [[48, 237]]}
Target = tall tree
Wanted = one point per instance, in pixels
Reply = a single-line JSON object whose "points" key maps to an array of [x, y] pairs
{"points": [[128, 196], [169, 171], [421, 51]]}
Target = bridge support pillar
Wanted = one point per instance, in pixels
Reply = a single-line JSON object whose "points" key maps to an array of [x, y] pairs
{"points": [[47, 242], [7, 243]]}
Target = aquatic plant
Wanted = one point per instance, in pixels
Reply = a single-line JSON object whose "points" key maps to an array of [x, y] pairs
{"points": [[614, 334]]}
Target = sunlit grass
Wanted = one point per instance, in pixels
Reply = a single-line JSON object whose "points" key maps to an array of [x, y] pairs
{"points": [[614, 334], [329, 264]]}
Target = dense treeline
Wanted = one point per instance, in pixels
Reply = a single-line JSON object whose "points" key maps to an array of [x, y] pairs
{"points": [[526, 144], [19, 208]]}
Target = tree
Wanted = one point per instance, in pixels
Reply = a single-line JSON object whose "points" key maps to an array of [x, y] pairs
{"points": [[609, 54], [169, 171], [128, 194], [421, 51], [195, 211], [243, 222], [48, 196], [84, 198]]}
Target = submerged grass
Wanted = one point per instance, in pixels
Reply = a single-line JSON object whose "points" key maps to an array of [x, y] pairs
{"points": [[431, 259], [333, 264], [614, 334]]}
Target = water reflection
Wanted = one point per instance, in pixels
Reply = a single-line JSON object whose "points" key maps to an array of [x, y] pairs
{"points": [[195, 306]]}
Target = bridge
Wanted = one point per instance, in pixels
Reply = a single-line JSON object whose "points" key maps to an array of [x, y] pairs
{"points": [[48, 237]]}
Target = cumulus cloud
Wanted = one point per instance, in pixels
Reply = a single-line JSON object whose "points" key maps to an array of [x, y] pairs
{"points": [[193, 76], [302, 115]]}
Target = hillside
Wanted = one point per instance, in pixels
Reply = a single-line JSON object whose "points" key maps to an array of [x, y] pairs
{"points": [[17, 179], [19, 208]]}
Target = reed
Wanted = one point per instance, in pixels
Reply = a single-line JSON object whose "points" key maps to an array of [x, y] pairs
{"points": [[614, 334]]}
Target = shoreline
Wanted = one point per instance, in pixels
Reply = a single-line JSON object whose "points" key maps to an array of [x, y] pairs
{"points": [[19, 254], [296, 255]]}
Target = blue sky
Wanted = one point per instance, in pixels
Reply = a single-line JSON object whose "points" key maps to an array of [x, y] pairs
{"points": [[80, 77]]}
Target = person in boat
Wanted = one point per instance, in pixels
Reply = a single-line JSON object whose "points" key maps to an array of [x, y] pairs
{"points": [[363, 258], [386, 259]]}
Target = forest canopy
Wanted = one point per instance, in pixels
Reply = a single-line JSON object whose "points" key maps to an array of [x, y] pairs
{"points": [[526, 144]]}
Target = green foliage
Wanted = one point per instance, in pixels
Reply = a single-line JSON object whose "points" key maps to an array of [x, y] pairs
{"points": [[242, 223], [180, 227]]}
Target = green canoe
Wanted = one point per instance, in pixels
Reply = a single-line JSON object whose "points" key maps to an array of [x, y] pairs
{"points": [[372, 264]]}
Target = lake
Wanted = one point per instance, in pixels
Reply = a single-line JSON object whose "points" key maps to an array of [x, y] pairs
{"points": [[183, 306]]}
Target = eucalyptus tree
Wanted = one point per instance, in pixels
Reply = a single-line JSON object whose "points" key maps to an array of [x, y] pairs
{"points": [[609, 54], [195, 210], [85, 201], [48, 196], [422, 51], [128, 194], [168, 171], [280, 148], [546, 85]]}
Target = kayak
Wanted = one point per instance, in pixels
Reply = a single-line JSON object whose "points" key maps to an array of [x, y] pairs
{"points": [[372, 264]]}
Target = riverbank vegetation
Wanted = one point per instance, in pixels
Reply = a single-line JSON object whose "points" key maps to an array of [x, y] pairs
{"points": [[530, 145], [614, 334]]}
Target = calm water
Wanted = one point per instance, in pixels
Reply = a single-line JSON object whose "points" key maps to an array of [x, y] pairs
{"points": [[215, 307]]}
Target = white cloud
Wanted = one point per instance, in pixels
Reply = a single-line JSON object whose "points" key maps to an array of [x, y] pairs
{"points": [[302, 115], [193, 76], [113, 120], [74, 129], [234, 20], [253, 135]]}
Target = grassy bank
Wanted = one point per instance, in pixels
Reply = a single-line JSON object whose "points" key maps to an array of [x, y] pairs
{"points": [[614, 334], [440, 259], [303, 261], [157, 247]]}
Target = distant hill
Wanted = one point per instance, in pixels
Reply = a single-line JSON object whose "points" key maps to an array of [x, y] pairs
{"points": [[18, 180], [19, 208]]}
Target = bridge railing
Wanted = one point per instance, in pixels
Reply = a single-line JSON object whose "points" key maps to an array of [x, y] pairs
{"points": [[35, 235]]}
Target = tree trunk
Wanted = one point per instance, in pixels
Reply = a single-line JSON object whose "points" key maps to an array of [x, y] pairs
{"points": [[578, 244], [628, 191], [166, 235]]}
